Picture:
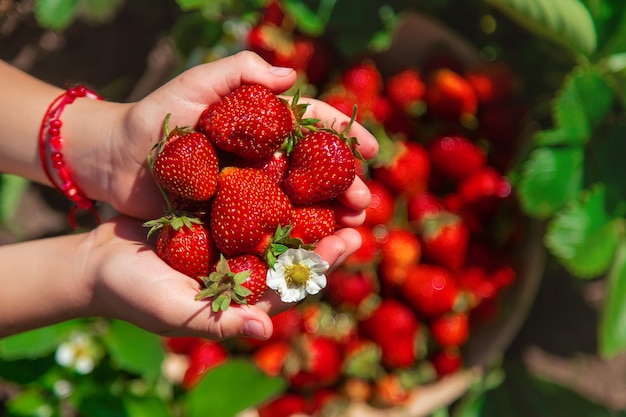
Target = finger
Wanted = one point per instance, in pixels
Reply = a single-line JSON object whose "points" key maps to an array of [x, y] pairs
{"points": [[337, 247], [209, 82], [357, 196]]}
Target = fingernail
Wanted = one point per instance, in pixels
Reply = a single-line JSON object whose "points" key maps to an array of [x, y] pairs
{"points": [[281, 71], [254, 328]]}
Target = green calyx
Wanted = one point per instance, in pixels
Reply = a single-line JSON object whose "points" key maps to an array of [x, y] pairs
{"points": [[281, 241], [176, 222], [225, 287]]}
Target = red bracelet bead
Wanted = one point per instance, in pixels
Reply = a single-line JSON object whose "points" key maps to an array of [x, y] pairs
{"points": [[50, 146]]}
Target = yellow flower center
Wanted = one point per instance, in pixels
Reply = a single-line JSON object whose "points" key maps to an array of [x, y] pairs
{"points": [[297, 275]]}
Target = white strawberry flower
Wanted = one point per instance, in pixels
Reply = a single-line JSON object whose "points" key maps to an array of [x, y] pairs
{"points": [[296, 273], [79, 353]]}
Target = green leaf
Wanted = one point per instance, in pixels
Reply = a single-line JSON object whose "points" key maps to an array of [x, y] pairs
{"points": [[582, 103], [309, 21], [616, 43], [36, 343], [565, 22], [612, 332], [29, 403], [12, 189], [583, 237], [219, 393], [99, 11], [55, 14], [134, 349], [145, 406], [550, 178]]}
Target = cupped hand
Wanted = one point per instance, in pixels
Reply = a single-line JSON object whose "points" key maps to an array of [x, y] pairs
{"points": [[130, 282], [132, 190]]}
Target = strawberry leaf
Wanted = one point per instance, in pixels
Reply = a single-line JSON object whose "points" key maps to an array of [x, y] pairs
{"points": [[550, 178], [581, 104], [583, 237], [565, 22], [56, 14], [612, 334]]}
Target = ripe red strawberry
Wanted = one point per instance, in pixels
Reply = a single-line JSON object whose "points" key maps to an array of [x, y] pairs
{"points": [[492, 81], [449, 95], [364, 81], [348, 290], [369, 250], [456, 157], [423, 205], [251, 122], [185, 244], [343, 100], [407, 172], [240, 279], [202, 358], [273, 13], [275, 166], [312, 222], [445, 238], [247, 209], [399, 249], [185, 164], [270, 356], [447, 361], [285, 405], [451, 329], [382, 205], [483, 189], [323, 166], [181, 345], [320, 362], [406, 90], [431, 290], [393, 326]]}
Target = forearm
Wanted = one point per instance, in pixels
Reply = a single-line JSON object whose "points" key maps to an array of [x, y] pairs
{"points": [[23, 101], [43, 282]]}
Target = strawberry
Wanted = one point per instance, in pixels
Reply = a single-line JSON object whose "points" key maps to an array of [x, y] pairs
{"points": [[285, 405], [202, 358], [273, 13], [185, 164], [390, 391], [240, 279], [275, 166], [369, 250], [406, 90], [492, 81], [247, 209], [450, 329], [270, 356], [364, 81], [484, 188], [408, 170], [319, 362], [399, 249], [348, 290], [251, 121], [361, 358], [181, 345], [393, 326], [450, 96], [430, 290], [422, 206], [323, 166], [312, 222], [382, 204], [185, 244], [447, 361], [456, 157], [445, 238]]}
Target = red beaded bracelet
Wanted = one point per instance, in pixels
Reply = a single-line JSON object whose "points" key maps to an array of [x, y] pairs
{"points": [[51, 156]]}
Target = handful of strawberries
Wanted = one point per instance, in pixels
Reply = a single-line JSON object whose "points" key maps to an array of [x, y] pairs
{"points": [[249, 193]]}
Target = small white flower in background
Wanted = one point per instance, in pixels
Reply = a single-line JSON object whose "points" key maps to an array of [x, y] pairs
{"points": [[297, 272], [80, 353]]}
